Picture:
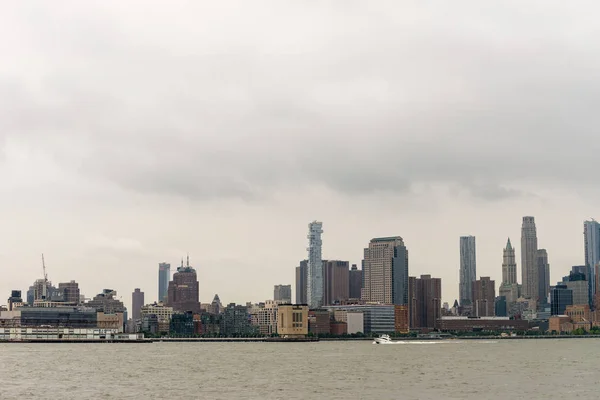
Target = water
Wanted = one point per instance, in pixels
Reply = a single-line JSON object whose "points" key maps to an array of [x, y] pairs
{"points": [[537, 369]]}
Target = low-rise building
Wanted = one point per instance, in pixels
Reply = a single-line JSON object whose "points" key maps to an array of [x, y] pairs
{"points": [[163, 316], [319, 322], [477, 324], [377, 318], [401, 319], [292, 320]]}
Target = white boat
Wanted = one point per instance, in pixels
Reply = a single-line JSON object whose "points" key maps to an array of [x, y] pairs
{"points": [[383, 339]]}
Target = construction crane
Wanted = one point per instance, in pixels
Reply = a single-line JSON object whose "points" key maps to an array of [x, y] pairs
{"points": [[45, 288]]}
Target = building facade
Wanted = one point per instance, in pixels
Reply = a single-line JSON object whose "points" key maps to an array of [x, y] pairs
{"points": [[292, 320], [282, 293], [70, 292], [314, 285], [560, 297], [484, 297], [385, 271], [543, 275], [529, 267], [591, 236], [578, 283], [302, 282], [164, 276], [355, 282], [336, 281], [468, 270], [137, 302], [425, 302]]}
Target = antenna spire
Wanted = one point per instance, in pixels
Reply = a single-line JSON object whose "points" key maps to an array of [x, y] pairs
{"points": [[188, 260]]}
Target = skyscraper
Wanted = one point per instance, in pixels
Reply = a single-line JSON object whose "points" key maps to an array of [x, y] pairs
{"points": [[484, 297], [529, 267], [425, 297], [355, 281], [183, 293], [336, 281], [385, 271], [282, 293], [164, 276], [137, 302], [509, 265], [543, 275], [468, 269], [301, 282], [314, 285], [591, 235]]}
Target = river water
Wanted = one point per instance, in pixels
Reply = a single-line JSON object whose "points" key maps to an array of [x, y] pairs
{"points": [[519, 369]]}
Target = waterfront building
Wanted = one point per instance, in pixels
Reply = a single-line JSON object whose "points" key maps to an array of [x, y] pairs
{"points": [[484, 296], [401, 316], [70, 292], [468, 270], [292, 320], [235, 322], [591, 236], [338, 328], [302, 282], [336, 282], [182, 324], [425, 296], [561, 296], [107, 302], [355, 282], [529, 266], [385, 271], [486, 324], [164, 276], [543, 276], [559, 324], [377, 318], [110, 321], [314, 286], [282, 293], [137, 302], [319, 322], [183, 293], [577, 282], [162, 315], [264, 316]]}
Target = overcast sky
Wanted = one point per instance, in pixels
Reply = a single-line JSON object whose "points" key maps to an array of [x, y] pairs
{"points": [[134, 132]]}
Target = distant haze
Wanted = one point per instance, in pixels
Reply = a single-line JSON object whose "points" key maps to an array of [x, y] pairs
{"points": [[134, 132]]}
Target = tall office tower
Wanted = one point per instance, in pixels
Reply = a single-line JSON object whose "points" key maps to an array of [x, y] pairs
{"points": [[355, 281], [468, 270], [484, 297], [591, 235], [184, 293], [336, 281], [424, 303], [137, 302], [543, 275], [385, 271], [70, 292], [560, 297], [509, 265], [302, 282], [529, 267], [164, 276], [282, 293], [577, 282], [314, 285]]}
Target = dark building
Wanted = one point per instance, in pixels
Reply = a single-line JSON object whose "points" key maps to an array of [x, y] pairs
{"points": [[476, 324], [425, 301], [208, 325], [561, 297], [580, 269], [137, 302], [301, 282], [59, 317], [484, 296], [182, 324], [355, 282], [319, 322], [150, 324], [282, 293], [15, 300], [335, 281], [183, 294], [543, 277], [500, 306], [70, 292], [235, 322]]}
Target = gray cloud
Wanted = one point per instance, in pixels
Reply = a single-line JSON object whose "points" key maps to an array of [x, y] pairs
{"points": [[357, 98]]}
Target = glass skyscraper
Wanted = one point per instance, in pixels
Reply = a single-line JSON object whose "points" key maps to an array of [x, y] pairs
{"points": [[164, 276]]}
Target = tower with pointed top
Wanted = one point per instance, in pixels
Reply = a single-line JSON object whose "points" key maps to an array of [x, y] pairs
{"points": [[509, 265]]}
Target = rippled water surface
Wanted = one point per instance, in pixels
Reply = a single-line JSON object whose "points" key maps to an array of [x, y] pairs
{"points": [[537, 369]]}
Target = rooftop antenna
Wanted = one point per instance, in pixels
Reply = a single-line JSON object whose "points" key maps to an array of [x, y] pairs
{"points": [[188, 260], [44, 288]]}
